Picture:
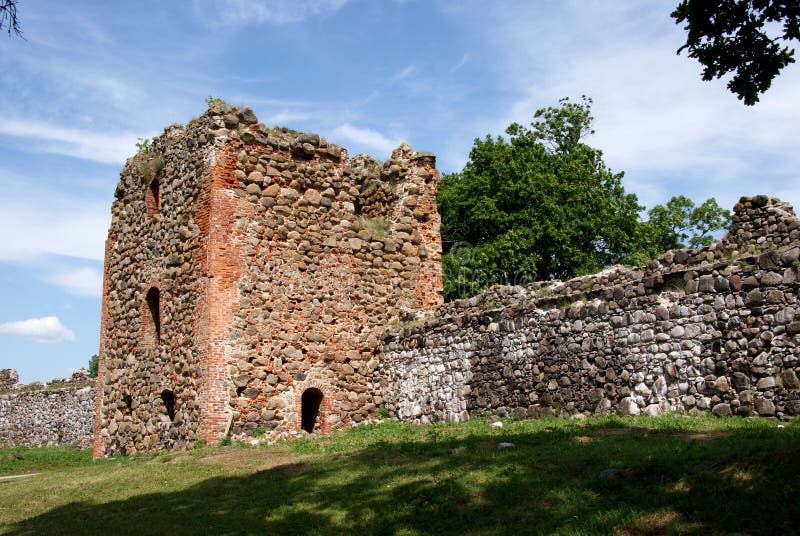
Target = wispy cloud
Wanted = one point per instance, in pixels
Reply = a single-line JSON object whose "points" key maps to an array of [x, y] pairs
{"points": [[47, 329], [37, 220], [288, 117], [462, 62], [239, 12], [105, 147], [80, 281], [366, 137], [85, 81], [655, 119], [404, 73]]}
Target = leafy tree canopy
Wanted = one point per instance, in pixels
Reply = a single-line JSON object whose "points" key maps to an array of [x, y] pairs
{"points": [[731, 36], [93, 362], [678, 224], [543, 205]]}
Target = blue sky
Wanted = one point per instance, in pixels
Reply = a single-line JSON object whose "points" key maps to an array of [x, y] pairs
{"points": [[92, 77]]}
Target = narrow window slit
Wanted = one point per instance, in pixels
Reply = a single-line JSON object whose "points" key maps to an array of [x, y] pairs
{"points": [[153, 197], [168, 397], [154, 306]]}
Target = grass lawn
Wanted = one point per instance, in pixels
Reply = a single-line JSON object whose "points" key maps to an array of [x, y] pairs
{"points": [[675, 475]]}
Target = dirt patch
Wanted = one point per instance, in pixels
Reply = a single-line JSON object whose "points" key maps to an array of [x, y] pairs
{"points": [[237, 459], [615, 432], [253, 459], [13, 477], [293, 468], [712, 435], [650, 523]]}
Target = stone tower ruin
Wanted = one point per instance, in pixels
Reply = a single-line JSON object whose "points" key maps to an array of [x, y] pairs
{"points": [[249, 275]]}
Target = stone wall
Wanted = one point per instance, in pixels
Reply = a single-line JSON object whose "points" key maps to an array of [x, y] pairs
{"points": [[9, 379], [246, 266], [60, 412], [698, 330]]}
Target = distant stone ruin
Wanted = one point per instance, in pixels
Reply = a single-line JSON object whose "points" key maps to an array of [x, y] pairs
{"points": [[249, 275], [9, 379], [59, 412]]}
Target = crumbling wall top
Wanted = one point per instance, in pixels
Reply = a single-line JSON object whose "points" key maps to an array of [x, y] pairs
{"points": [[761, 227]]}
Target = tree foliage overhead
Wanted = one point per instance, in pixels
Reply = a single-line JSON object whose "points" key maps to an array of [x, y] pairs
{"points": [[733, 36], [543, 205], [8, 17]]}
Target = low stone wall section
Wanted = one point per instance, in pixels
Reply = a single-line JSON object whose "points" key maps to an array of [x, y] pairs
{"points": [[712, 329], [47, 418]]}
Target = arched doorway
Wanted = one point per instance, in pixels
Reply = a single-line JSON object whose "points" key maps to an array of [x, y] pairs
{"points": [[309, 408]]}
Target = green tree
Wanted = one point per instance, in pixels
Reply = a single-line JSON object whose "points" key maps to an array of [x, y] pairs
{"points": [[93, 361], [678, 224], [733, 36], [541, 205]]}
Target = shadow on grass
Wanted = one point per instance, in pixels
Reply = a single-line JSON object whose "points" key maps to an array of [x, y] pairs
{"points": [[588, 480]]}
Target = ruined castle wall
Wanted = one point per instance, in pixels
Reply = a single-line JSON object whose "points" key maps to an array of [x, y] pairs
{"points": [[149, 383], [710, 329], [57, 413], [323, 253], [277, 263], [47, 418]]}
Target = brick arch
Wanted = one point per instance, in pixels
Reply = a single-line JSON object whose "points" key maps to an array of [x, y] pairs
{"points": [[152, 197], [324, 408]]}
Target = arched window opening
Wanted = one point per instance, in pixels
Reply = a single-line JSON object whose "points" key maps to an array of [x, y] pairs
{"points": [[168, 397], [153, 197], [128, 400], [154, 307], [310, 403]]}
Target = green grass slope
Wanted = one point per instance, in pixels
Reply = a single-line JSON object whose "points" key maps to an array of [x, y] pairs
{"points": [[675, 475]]}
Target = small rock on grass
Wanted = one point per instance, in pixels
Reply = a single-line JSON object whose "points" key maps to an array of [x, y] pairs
{"points": [[505, 446], [609, 474]]}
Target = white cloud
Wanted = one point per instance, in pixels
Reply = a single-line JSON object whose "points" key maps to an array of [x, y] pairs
{"points": [[105, 147], [287, 116], [656, 120], [80, 281], [235, 12], [47, 329], [83, 80], [37, 220], [405, 72], [365, 137], [463, 61]]}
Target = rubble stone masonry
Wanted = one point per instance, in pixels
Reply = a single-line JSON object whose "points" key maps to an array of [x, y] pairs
{"points": [[257, 282], [713, 329], [250, 273], [57, 413]]}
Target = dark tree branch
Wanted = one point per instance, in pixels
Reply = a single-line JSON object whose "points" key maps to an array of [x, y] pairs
{"points": [[730, 37], [8, 17]]}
